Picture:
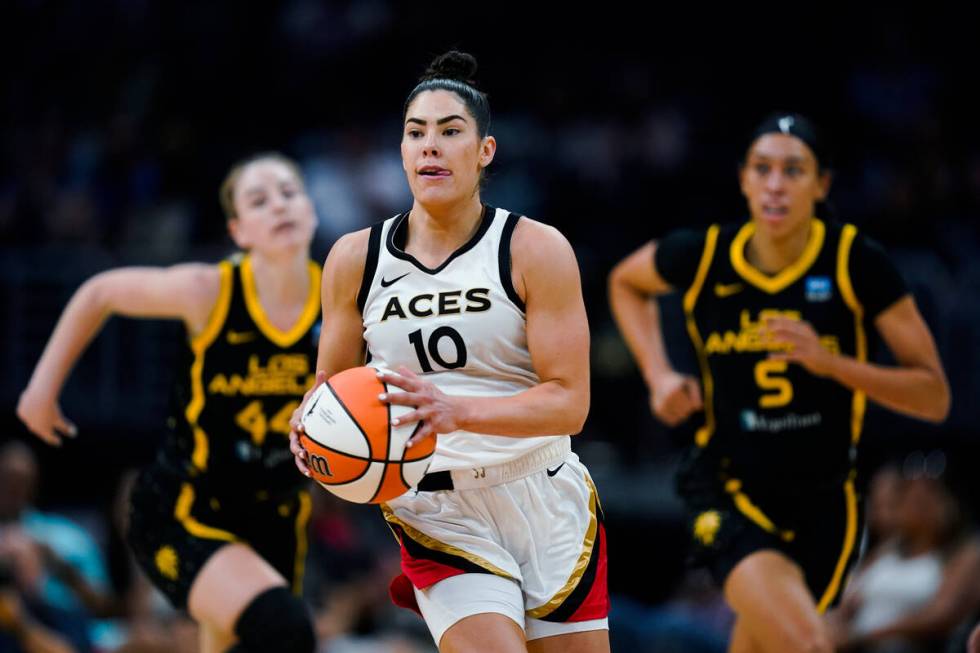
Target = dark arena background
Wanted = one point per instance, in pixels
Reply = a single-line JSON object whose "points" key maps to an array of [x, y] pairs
{"points": [[615, 124]]}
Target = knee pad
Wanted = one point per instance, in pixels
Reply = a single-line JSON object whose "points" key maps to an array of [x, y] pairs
{"points": [[275, 620]]}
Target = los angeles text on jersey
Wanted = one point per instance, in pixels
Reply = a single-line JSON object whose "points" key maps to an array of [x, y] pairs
{"points": [[447, 302], [753, 336], [282, 374]]}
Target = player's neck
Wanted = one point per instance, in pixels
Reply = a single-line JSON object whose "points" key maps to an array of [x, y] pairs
{"points": [[282, 285], [435, 232], [772, 255]]}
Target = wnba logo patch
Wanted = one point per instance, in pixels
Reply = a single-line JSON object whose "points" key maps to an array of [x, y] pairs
{"points": [[818, 289]]}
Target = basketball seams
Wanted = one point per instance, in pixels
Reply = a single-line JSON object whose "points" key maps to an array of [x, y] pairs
{"points": [[368, 477], [384, 473], [353, 419]]}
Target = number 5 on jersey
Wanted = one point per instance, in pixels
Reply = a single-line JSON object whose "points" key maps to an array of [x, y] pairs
{"points": [[440, 334], [781, 390]]}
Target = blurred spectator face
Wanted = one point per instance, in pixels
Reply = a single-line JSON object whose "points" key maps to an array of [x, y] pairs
{"points": [[272, 211], [884, 501], [925, 509], [781, 182], [18, 480], [442, 152]]}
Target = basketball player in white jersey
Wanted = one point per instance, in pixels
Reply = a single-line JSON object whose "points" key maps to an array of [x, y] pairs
{"points": [[481, 313]]}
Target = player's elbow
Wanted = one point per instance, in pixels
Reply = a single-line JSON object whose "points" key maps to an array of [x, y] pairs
{"points": [[939, 407], [941, 399], [575, 415]]}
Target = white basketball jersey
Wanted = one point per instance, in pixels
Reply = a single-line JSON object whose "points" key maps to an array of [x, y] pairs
{"points": [[462, 325]]}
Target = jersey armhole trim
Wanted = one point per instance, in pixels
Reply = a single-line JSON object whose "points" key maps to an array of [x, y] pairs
{"points": [[370, 264], [504, 262], [219, 312], [707, 256]]}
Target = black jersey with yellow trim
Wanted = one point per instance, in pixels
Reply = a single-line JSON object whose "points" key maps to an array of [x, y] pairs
{"points": [[767, 419], [239, 382]]}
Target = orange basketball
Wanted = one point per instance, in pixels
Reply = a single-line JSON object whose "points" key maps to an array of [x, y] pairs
{"points": [[352, 449]]}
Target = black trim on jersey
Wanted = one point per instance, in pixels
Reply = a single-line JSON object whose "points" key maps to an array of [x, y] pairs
{"points": [[574, 601], [420, 552], [370, 264], [396, 248], [503, 257]]}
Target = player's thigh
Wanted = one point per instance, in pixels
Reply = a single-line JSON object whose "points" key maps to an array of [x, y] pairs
{"points": [[589, 641], [486, 632], [469, 611], [769, 595], [227, 584]]}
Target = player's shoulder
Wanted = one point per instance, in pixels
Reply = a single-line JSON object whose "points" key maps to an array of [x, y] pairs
{"points": [[533, 236]]}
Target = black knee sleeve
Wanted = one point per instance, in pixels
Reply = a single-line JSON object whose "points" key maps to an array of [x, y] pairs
{"points": [[275, 620]]}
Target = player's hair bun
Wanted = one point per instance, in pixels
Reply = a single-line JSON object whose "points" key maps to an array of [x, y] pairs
{"points": [[455, 65]]}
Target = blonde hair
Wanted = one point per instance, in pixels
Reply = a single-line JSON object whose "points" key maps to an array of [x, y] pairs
{"points": [[226, 193]]}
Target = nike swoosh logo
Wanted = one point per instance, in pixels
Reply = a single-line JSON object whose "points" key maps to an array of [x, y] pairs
{"points": [[727, 289], [552, 472], [240, 337], [385, 283]]}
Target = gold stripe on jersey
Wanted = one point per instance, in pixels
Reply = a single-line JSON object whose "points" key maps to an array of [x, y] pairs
{"points": [[199, 345], [302, 519], [778, 282], [753, 512], [859, 401], [588, 549], [690, 300], [310, 310], [182, 512], [435, 545], [850, 537]]}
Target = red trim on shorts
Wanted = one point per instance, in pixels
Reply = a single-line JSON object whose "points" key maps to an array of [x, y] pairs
{"points": [[596, 603], [417, 572]]}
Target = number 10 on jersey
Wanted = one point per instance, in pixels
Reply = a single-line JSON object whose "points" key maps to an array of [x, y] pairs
{"points": [[427, 349]]}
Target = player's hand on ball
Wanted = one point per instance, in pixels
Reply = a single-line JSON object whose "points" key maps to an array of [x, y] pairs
{"points": [[296, 426], [438, 412], [675, 397], [41, 414], [803, 345]]}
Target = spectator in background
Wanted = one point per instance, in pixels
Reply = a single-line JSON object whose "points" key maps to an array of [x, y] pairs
{"points": [[46, 554], [917, 589]]}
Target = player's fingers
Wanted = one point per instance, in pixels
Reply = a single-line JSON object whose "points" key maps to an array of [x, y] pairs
{"points": [[404, 398], [49, 435], [296, 447], [397, 380], [423, 431], [65, 427], [693, 391], [408, 418], [406, 372]]}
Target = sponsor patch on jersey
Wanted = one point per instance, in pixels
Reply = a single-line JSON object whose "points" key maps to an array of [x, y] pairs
{"points": [[753, 421], [818, 289]]}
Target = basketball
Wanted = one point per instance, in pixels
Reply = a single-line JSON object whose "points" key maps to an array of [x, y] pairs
{"points": [[353, 450]]}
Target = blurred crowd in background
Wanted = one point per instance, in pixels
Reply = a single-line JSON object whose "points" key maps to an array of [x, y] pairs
{"points": [[120, 119]]}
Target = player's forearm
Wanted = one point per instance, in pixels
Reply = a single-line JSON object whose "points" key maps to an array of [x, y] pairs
{"points": [[550, 408], [79, 323], [915, 391], [638, 318]]}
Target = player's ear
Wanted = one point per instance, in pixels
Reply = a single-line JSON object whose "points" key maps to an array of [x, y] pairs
{"points": [[235, 231]]}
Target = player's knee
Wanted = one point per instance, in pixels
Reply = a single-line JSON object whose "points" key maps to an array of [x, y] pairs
{"points": [[275, 621]]}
